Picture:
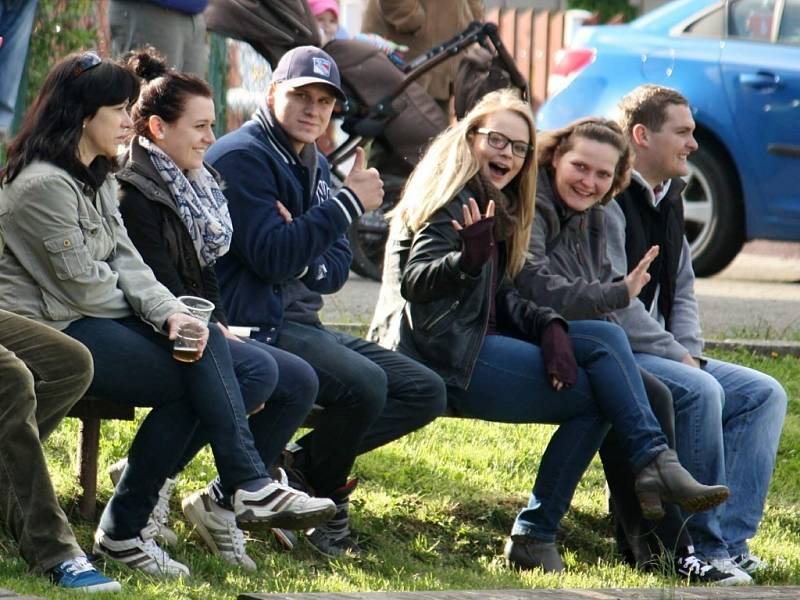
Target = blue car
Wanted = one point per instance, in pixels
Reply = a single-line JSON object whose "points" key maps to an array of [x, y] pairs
{"points": [[738, 63]]}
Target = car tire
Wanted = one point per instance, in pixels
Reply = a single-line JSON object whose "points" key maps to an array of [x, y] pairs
{"points": [[368, 235], [713, 210]]}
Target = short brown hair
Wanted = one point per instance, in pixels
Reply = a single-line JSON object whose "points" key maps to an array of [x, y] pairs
{"points": [[647, 104], [554, 144]]}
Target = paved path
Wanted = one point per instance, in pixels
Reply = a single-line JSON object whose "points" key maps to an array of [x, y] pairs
{"points": [[757, 294], [677, 593], [9, 595]]}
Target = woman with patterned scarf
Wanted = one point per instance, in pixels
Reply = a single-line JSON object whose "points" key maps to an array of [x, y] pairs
{"points": [[177, 217], [458, 234]]}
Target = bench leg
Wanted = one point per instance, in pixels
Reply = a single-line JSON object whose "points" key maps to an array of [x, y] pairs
{"points": [[89, 444]]}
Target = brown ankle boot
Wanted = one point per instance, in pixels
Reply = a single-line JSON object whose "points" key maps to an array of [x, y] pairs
{"points": [[666, 479]]}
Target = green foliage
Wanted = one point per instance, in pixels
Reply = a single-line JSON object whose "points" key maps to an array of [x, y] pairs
{"points": [[432, 510], [61, 27], [606, 8]]}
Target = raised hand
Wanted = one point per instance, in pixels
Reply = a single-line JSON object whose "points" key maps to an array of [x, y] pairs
{"points": [[472, 214], [365, 183], [638, 278]]}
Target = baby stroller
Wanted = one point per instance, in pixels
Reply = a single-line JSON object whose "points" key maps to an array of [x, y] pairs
{"points": [[387, 110]]}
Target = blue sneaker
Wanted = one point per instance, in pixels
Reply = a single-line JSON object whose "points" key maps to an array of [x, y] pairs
{"points": [[79, 574]]}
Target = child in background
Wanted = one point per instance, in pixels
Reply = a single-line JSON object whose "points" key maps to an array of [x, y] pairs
{"points": [[327, 15]]}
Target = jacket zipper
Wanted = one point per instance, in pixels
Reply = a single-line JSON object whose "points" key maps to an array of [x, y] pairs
{"points": [[430, 324]]}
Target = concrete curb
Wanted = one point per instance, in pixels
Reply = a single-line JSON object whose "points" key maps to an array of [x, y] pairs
{"points": [[762, 347], [665, 593]]}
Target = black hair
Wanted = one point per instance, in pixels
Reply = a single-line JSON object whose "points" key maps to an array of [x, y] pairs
{"points": [[164, 92], [74, 90]]}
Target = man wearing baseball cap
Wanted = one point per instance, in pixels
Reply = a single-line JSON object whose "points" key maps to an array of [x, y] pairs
{"points": [[290, 247]]}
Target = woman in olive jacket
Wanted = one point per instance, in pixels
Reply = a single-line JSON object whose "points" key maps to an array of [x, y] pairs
{"points": [[460, 230], [70, 264]]}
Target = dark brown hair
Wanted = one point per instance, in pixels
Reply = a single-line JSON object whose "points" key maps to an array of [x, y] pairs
{"points": [[554, 144], [74, 90], [164, 91], [647, 104]]}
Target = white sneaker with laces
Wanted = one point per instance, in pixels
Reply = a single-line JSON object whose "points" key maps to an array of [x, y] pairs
{"points": [[751, 564], [140, 553], [160, 515], [279, 506], [217, 527], [727, 565]]}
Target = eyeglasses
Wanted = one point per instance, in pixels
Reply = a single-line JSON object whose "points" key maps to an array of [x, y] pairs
{"points": [[87, 61], [499, 141]]}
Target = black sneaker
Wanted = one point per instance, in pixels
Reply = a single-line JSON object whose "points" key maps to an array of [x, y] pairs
{"points": [[291, 463], [696, 570], [335, 538], [526, 553]]}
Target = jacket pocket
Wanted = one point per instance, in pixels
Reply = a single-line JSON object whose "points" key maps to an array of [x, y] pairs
{"points": [[54, 309], [68, 253]]}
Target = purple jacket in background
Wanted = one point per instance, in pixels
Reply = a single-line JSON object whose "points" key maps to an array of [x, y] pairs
{"points": [[190, 7]]}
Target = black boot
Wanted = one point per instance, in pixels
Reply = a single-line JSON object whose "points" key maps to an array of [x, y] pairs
{"points": [[666, 479]]}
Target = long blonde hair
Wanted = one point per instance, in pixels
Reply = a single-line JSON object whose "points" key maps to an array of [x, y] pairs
{"points": [[449, 164]]}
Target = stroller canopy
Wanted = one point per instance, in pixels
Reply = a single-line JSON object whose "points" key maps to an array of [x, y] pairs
{"points": [[271, 27]]}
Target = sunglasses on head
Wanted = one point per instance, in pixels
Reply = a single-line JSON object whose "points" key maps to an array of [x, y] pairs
{"points": [[499, 141], [87, 61]]}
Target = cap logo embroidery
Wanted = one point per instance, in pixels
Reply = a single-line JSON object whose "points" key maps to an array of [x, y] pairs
{"points": [[322, 67]]}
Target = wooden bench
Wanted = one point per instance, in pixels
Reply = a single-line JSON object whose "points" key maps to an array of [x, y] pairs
{"points": [[91, 410]]}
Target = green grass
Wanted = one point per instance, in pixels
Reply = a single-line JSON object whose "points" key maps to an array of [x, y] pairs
{"points": [[433, 510]]}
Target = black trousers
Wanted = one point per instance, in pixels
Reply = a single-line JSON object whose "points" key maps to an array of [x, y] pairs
{"points": [[639, 540]]}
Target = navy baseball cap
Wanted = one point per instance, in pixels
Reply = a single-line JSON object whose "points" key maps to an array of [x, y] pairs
{"points": [[308, 64]]}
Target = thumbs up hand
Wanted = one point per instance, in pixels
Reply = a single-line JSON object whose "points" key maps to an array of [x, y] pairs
{"points": [[365, 183]]}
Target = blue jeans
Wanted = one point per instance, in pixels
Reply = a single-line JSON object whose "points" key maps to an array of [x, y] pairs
{"points": [[371, 396], [509, 384], [133, 365], [16, 22], [284, 384], [728, 422]]}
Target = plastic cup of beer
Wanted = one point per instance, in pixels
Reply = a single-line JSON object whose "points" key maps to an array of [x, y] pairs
{"points": [[187, 344], [198, 307]]}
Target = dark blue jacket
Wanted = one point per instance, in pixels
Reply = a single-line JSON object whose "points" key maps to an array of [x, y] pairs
{"points": [[259, 168]]}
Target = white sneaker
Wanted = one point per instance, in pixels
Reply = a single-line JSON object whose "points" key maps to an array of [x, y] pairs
{"points": [[160, 515], [217, 527], [279, 506], [727, 565], [750, 563], [140, 553]]}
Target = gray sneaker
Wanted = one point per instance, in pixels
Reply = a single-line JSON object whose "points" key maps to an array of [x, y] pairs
{"points": [[160, 515], [217, 527], [335, 538]]}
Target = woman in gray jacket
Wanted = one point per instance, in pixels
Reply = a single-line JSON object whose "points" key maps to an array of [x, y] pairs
{"points": [[70, 264], [581, 167]]}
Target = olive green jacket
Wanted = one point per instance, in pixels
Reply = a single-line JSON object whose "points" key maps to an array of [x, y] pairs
{"points": [[67, 254]]}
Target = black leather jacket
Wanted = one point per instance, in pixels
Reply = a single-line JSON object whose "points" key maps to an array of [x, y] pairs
{"points": [[431, 310], [155, 227]]}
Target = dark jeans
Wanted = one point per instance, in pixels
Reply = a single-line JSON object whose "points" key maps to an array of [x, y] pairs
{"points": [[133, 365], [42, 374], [509, 384], [284, 384], [371, 396], [640, 540]]}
